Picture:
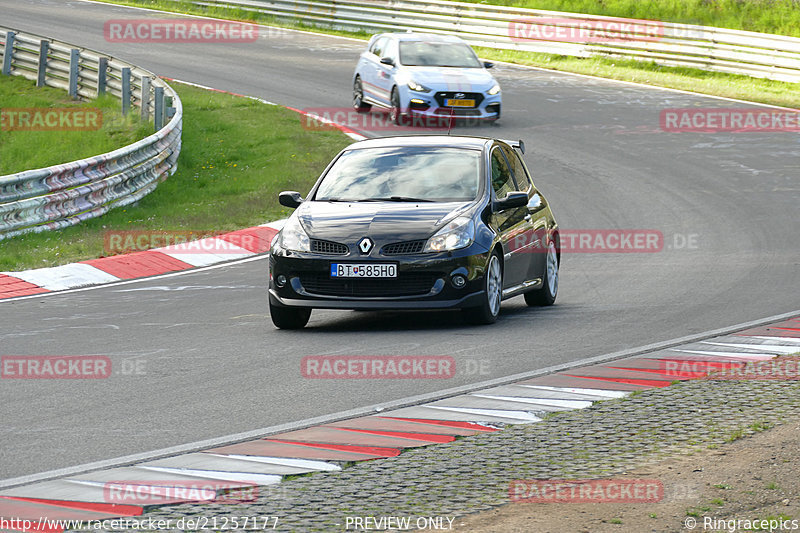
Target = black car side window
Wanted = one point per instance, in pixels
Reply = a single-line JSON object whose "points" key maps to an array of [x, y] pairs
{"points": [[518, 168], [502, 181]]}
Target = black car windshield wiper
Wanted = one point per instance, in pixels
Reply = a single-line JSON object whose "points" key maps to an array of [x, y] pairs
{"points": [[387, 199], [396, 199]]}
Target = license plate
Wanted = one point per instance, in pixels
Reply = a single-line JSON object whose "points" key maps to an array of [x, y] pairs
{"points": [[363, 270], [459, 103]]}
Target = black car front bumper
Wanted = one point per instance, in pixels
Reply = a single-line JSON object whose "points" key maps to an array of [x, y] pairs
{"points": [[424, 281]]}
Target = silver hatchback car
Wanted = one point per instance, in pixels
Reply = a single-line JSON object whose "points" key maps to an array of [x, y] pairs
{"points": [[421, 74]]}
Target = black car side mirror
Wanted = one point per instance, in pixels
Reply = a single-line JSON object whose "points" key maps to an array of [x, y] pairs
{"points": [[387, 61], [512, 199], [488, 64], [290, 199]]}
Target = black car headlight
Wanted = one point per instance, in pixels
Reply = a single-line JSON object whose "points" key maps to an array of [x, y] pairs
{"points": [[458, 233], [293, 237]]}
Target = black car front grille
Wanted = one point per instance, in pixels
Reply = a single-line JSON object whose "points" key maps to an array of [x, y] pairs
{"points": [[328, 247], [441, 97], [405, 284], [403, 248]]}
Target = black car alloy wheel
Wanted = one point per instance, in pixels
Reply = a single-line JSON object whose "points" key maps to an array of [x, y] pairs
{"points": [[487, 312], [547, 294]]}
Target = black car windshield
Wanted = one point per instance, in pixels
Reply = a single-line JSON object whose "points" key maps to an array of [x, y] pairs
{"points": [[431, 54], [403, 174]]}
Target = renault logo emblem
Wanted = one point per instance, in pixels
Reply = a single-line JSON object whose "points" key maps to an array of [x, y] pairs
{"points": [[365, 245]]}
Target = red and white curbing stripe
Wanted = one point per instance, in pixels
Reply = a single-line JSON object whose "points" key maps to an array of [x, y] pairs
{"points": [[203, 252], [267, 460]]}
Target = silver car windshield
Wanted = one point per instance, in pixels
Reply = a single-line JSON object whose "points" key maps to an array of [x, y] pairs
{"points": [[403, 174], [425, 54]]}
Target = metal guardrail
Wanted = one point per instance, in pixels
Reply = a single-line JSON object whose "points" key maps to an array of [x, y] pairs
{"points": [[738, 52], [63, 195]]}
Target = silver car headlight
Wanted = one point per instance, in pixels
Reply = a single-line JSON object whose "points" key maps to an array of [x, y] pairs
{"points": [[414, 86], [293, 237], [494, 90], [458, 233]]}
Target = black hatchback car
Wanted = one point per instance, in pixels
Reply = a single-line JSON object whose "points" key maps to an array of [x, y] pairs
{"points": [[417, 222]]}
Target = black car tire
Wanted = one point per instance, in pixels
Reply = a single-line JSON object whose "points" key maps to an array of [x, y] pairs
{"points": [[395, 114], [358, 97], [487, 312], [289, 317], [547, 294]]}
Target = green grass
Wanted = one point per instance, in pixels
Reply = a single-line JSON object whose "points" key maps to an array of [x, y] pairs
{"points": [[760, 426], [23, 150], [735, 435], [237, 155], [767, 16], [772, 16]]}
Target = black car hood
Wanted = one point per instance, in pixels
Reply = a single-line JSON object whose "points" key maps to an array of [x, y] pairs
{"points": [[383, 222]]}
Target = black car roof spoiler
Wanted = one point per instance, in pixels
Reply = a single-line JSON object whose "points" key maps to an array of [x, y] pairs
{"points": [[519, 145]]}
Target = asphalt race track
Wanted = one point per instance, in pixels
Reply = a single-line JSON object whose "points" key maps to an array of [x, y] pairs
{"points": [[212, 363]]}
